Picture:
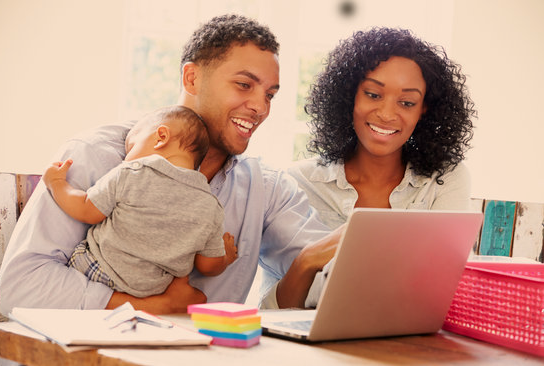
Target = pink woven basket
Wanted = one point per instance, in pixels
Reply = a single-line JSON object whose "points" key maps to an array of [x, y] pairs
{"points": [[501, 303]]}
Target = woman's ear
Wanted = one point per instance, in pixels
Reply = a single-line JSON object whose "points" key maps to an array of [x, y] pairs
{"points": [[189, 77], [162, 136]]}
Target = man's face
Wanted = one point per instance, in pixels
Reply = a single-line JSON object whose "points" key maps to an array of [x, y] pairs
{"points": [[233, 96]]}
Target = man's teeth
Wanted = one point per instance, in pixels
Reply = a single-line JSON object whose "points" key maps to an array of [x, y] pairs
{"points": [[245, 126], [381, 130]]}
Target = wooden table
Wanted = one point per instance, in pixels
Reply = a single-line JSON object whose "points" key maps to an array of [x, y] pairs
{"points": [[442, 348]]}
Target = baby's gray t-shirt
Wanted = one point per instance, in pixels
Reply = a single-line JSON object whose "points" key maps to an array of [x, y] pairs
{"points": [[158, 217]]}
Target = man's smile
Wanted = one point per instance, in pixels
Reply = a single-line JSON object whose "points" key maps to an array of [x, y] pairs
{"points": [[243, 125]]}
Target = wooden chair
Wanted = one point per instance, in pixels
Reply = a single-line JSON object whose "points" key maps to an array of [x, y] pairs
{"points": [[15, 190], [511, 229]]}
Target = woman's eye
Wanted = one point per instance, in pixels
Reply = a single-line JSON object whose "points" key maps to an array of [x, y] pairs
{"points": [[407, 104], [372, 95]]}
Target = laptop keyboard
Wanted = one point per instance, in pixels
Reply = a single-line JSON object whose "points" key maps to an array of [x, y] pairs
{"points": [[300, 325]]}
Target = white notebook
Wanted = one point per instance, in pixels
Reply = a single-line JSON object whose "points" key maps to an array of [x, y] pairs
{"points": [[69, 327]]}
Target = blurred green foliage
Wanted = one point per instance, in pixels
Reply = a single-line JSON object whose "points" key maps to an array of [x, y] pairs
{"points": [[154, 79], [310, 64]]}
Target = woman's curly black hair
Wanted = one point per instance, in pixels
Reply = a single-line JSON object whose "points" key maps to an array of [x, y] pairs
{"points": [[443, 133]]}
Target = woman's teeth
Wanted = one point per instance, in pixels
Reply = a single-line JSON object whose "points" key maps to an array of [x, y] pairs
{"points": [[381, 131]]}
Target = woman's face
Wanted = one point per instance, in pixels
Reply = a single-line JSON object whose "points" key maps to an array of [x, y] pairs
{"points": [[388, 105]]}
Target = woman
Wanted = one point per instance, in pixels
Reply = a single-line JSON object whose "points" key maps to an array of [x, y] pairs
{"points": [[391, 121]]}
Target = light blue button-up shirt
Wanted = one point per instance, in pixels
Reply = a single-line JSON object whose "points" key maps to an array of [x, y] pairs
{"points": [[267, 213]]}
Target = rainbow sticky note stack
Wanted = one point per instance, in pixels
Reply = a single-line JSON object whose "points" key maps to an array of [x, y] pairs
{"points": [[230, 324]]}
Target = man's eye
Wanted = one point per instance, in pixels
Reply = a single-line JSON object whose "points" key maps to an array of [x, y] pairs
{"points": [[270, 96], [243, 85]]}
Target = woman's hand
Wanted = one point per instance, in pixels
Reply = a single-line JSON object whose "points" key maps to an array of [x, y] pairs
{"points": [[293, 288]]}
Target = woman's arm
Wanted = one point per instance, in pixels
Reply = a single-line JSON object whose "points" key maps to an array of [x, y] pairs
{"points": [[293, 288], [454, 194]]}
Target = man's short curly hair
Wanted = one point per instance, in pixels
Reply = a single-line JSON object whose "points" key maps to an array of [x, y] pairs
{"points": [[214, 39], [443, 133]]}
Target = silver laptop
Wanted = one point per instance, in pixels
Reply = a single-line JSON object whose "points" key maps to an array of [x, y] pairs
{"points": [[395, 273]]}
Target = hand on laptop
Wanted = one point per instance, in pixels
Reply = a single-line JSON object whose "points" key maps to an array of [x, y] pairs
{"points": [[294, 286], [321, 252]]}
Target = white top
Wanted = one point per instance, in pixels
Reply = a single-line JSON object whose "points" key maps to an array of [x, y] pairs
{"points": [[334, 197]]}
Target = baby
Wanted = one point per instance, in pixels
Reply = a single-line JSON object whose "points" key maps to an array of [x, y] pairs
{"points": [[153, 215]]}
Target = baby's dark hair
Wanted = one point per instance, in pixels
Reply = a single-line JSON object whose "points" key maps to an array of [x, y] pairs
{"points": [[443, 133], [192, 134], [214, 39]]}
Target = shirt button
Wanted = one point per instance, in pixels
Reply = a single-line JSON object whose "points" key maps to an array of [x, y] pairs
{"points": [[136, 165]]}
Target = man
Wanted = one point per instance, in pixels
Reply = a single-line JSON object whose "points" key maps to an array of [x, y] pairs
{"points": [[230, 74]]}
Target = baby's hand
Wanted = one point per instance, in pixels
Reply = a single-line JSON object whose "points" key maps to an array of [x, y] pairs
{"points": [[56, 171], [231, 251]]}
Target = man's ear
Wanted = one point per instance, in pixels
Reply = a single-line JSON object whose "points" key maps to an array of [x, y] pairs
{"points": [[162, 136], [189, 77]]}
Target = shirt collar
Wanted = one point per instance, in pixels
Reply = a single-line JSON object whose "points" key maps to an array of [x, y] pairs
{"points": [[336, 172], [413, 179], [329, 173], [231, 162]]}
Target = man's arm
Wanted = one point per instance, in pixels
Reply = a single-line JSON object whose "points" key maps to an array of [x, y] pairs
{"points": [[34, 271], [175, 299], [72, 201]]}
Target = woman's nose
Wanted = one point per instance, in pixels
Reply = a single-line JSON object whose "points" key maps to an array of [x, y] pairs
{"points": [[386, 112]]}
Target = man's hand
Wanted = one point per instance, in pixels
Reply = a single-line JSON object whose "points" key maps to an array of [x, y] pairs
{"points": [[175, 299]]}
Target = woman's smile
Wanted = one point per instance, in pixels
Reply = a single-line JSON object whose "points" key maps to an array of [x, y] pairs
{"points": [[381, 131]]}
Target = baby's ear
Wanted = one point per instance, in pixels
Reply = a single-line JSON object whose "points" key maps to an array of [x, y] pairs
{"points": [[162, 137]]}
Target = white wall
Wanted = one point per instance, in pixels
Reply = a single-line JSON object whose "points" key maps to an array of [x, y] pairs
{"points": [[501, 47], [61, 64]]}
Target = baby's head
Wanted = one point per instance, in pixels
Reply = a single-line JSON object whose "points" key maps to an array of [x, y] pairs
{"points": [[169, 132]]}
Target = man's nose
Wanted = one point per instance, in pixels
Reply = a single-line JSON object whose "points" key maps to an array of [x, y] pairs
{"points": [[259, 104]]}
